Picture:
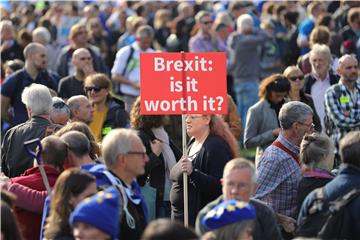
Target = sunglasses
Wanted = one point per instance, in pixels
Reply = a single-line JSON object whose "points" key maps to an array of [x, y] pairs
{"points": [[95, 88], [207, 22], [59, 105], [295, 78]]}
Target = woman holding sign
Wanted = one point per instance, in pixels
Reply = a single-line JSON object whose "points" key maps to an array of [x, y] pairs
{"points": [[211, 146]]}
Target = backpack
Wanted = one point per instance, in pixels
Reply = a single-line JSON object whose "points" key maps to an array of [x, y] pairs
{"points": [[117, 90], [328, 220], [339, 224], [328, 123], [316, 215]]}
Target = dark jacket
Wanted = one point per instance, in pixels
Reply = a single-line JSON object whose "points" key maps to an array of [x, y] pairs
{"points": [[204, 182], [307, 99], [116, 116], [265, 223], [14, 158], [310, 80], [66, 55], [155, 167], [348, 178]]}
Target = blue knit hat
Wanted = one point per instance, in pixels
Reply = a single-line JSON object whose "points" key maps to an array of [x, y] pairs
{"points": [[100, 211], [228, 212]]}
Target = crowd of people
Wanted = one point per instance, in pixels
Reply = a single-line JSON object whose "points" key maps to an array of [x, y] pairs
{"points": [[70, 77]]}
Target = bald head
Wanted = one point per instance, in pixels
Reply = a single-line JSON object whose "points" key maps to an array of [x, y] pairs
{"points": [[81, 109], [348, 68], [81, 58], [33, 48]]}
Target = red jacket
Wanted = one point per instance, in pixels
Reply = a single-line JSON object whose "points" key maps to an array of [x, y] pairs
{"points": [[30, 222]]}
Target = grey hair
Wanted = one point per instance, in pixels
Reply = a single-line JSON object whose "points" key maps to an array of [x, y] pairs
{"points": [[64, 109], [293, 111], [145, 31], [31, 48], [240, 163], [244, 22], [321, 49], [37, 98], [77, 142], [201, 14], [43, 33], [116, 142]]}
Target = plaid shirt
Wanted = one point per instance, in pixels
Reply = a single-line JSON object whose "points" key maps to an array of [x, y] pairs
{"points": [[278, 178], [343, 111]]}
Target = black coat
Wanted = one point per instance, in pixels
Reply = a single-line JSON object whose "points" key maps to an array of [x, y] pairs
{"points": [[204, 182], [155, 167], [310, 80]]}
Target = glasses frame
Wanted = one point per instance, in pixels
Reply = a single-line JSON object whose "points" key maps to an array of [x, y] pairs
{"points": [[143, 154], [293, 79], [312, 125], [95, 88]]}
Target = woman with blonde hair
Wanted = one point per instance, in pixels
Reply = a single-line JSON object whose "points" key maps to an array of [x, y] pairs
{"points": [[210, 147], [296, 80]]}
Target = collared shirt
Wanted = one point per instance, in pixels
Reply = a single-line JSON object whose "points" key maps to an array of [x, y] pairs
{"points": [[202, 43], [278, 178], [318, 90], [343, 112]]}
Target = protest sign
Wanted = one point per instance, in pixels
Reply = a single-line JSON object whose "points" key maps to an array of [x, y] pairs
{"points": [[179, 83]]}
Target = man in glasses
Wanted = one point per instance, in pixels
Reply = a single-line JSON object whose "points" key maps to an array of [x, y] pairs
{"points": [[239, 182], [204, 41], [125, 157], [279, 168], [74, 84]]}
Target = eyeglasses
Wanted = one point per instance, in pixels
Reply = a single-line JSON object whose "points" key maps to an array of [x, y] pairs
{"points": [[295, 78], [143, 154], [95, 88], [207, 22], [59, 105], [86, 58], [310, 125]]}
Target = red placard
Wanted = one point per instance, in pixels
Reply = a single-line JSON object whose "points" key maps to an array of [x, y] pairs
{"points": [[183, 83]]}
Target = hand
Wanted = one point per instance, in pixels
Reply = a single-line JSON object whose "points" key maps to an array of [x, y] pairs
{"points": [[186, 166], [155, 147], [88, 69], [4, 180], [288, 223], [276, 132], [136, 84]]}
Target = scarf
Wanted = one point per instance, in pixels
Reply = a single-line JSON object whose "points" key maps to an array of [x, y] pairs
{"points": [[167, 152]]}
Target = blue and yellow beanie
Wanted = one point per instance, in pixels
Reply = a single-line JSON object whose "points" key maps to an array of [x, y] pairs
{"points": [[228, 212], [100, 211]]}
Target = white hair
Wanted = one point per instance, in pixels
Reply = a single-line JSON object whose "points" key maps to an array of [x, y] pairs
{"points": [[37, 98], [245, 23]]}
